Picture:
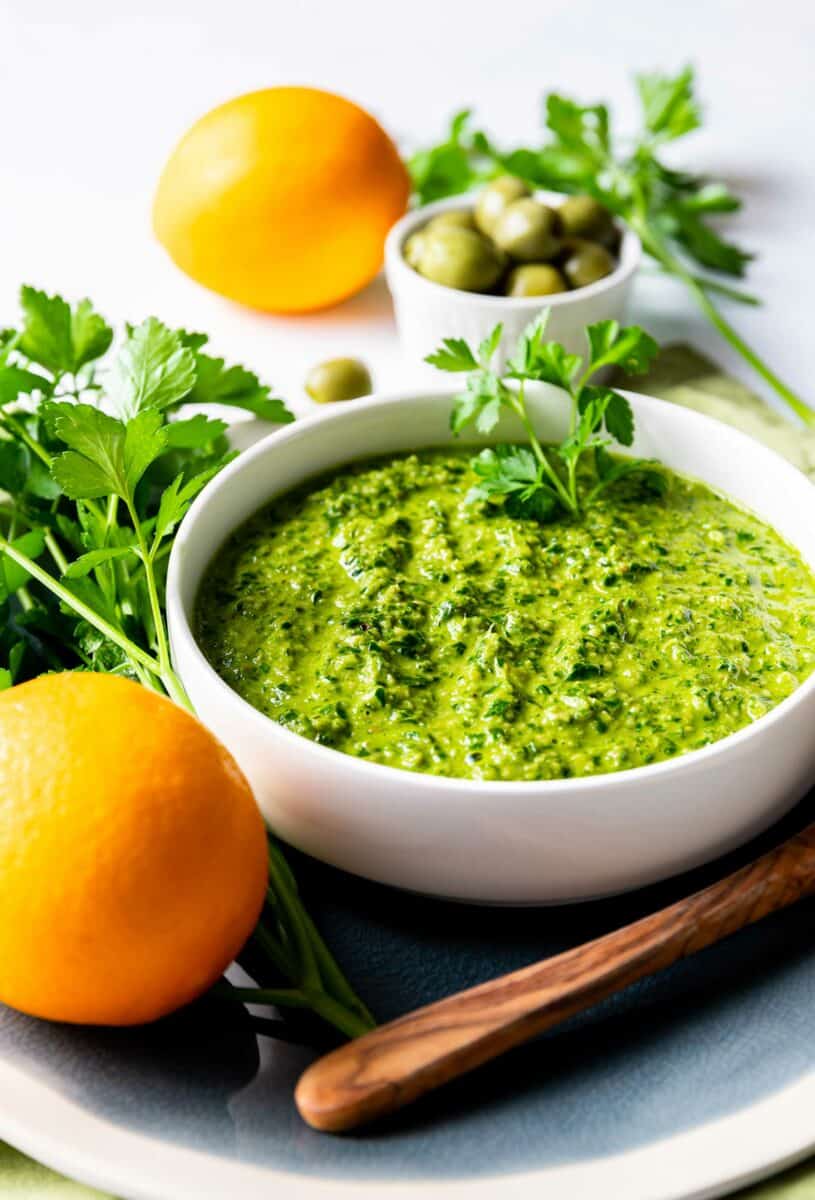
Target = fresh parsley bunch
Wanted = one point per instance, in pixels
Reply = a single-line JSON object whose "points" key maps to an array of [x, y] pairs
{"points": [[670, 210], [97, 469], [542, 481]]}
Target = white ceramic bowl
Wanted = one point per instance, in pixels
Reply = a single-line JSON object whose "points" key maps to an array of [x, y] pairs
{"points": [[510, 843], [426, 311]]}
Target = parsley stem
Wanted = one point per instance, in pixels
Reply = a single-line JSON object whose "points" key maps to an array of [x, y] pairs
{"points": [[20, 432], [80, 608], [518, 403], [321, 1003], [698, 289], [55, 551], [169, 678]]}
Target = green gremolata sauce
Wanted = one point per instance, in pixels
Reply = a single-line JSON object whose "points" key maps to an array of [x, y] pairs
{"points": [[379, 613]]}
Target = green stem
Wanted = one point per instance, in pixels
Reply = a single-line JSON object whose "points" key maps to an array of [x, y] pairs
{"points": [[721, 289], [272, 949], [55, 552], [321, 1003], [175, 688], [519, 405], [24, 596], [333, 976], [80, 608], [22, 433], [674, 265], [285, 897]]}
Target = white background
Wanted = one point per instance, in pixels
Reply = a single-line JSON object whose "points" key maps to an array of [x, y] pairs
{"points": [[94, 93]]}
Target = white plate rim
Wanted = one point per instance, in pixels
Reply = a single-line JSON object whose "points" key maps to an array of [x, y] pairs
{"points": [[698, 1164]]}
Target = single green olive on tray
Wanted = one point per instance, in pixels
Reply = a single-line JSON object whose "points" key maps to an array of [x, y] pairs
{"points": [[512, 244], [338, 379]]}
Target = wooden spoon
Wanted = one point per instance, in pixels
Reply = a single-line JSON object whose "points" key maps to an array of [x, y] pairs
{"points": [[398, 1062]]}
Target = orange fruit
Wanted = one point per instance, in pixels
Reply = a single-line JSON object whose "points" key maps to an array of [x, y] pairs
{"points": [[281, 199], [133, 857]]}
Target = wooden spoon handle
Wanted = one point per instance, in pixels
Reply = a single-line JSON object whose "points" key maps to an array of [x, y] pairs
{"points": [[396, 1063]]}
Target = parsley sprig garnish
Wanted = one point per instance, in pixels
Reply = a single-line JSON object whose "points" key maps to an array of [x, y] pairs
{"points": [[97, 469], [669, 209], [536, 480]]}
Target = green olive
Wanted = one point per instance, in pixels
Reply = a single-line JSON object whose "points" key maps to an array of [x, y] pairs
{"points": [[452, 218], [583, 216], [413, 248], [526, 231], [586, 263], [460, 258], [535, 279], [338, 379], [494, 198]]}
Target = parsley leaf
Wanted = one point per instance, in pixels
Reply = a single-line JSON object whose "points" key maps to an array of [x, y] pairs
{"points": [[59, 338], [215, 383], [194, 432], [152, 370], [668, 105], [46, 332], [545, 362], [106, 456], [631, 348], [16, 381], [454, 354], [176, 499], [12, 575], [481, 404], [534, 480], [673, 211]]}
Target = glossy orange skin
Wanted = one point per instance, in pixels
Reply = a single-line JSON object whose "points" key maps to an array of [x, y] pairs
{"points": [[281, 199], [133, 858]]}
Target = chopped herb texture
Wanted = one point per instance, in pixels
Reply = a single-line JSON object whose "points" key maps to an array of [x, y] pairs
{"points": [[387, 613]]}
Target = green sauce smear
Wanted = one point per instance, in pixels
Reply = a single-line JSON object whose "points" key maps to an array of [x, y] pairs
{"points": [[379, 613]]}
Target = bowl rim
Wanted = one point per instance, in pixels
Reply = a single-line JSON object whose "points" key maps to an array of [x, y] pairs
{"points": [[181, 627], [401, 272]]}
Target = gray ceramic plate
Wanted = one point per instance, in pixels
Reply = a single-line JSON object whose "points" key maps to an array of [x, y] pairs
{"points": [[684, 1086]]}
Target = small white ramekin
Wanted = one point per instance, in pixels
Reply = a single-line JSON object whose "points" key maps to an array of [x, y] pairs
{"points": [[510, 843], [426, 311]]}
